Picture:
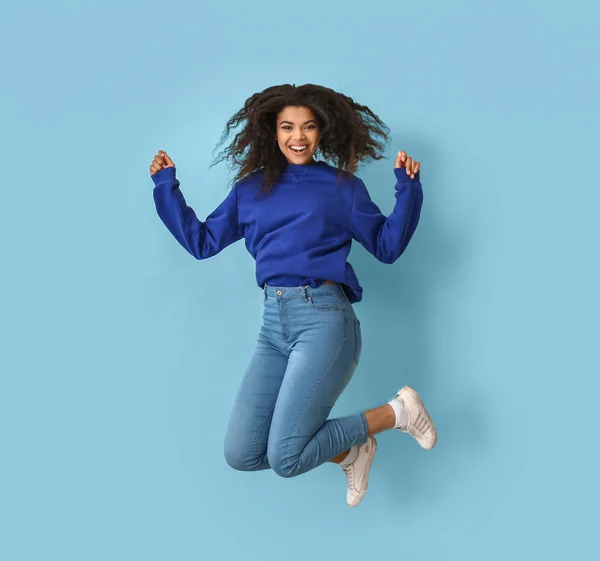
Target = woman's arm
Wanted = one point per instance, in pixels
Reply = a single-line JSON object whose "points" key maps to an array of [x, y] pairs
{"points": [[387, 238], [201, 239]]}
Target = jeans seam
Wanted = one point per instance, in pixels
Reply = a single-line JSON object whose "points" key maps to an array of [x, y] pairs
{"points": [[255, 444], [365, 426], [357, 333], [284, 320]]}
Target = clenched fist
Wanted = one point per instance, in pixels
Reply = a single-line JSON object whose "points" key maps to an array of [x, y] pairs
{"points": [[161, 161], [404, 161]]}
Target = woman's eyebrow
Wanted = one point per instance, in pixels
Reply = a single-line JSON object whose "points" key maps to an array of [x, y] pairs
{"points": [[290, 123]]}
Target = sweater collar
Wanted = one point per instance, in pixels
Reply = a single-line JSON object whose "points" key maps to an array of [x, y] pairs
{"points": [[298, 171]]}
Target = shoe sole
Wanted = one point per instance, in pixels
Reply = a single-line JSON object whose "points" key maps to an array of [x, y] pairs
{"points": [[368, 473], [420, 402]]}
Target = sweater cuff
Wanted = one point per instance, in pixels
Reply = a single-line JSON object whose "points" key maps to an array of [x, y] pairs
{"points": [[404, 179], [165, 175]]}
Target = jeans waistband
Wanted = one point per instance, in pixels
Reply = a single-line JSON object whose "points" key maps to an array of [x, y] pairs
{"points": [[300, 291]]}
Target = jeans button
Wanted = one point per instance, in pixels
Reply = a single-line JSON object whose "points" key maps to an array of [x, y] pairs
{"points": [[279, 292]]}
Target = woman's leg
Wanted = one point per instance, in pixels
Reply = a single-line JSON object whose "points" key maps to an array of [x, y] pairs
{"points": [[248, 430], [378, 420], [325, 344], [324, 340]]}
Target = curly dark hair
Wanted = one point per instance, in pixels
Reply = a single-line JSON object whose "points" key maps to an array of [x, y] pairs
{"points": [[350, 133]]}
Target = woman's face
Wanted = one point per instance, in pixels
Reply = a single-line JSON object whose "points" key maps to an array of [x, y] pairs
{"points": [[298, 134]]}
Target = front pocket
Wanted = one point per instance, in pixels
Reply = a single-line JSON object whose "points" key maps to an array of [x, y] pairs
{"points": [[326, 302]]}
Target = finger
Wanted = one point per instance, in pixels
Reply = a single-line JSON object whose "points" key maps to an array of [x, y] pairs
{"points": [[158, 161], [398, 161], [408, 166], [417, 167], [401, 159], [168, 160], [154, 169], [165, 157]]}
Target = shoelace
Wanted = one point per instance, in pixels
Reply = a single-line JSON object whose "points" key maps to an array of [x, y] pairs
{"points": [[350, 475]]}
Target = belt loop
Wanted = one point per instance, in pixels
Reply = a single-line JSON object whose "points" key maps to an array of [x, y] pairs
{"points": [[306, 295], [265, 291]]}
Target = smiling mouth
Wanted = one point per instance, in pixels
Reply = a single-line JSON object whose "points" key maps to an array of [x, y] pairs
{"points": [[299, 149]]}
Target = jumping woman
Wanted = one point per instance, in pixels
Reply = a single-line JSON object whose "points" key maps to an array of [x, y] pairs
{"points": [[298, 217]]}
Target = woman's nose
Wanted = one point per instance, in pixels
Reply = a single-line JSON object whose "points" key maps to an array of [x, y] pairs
{"points": [[299, 135]]}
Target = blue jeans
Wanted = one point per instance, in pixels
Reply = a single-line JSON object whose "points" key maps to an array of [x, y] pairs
{"points": [[307, 351]]}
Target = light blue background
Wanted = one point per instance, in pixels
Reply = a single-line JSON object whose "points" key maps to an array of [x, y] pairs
{"points": [[121, 354]]}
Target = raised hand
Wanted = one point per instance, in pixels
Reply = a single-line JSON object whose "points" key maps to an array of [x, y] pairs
{"points": [[161, 161], [405, 161]]}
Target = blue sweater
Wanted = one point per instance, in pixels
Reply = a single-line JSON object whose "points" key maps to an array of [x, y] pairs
{"points": [[301, 231]]}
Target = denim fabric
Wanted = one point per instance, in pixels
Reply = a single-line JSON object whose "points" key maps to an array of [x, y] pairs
{"points": [[307, 351]]}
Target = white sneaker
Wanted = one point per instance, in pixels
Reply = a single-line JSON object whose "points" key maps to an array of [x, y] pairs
{"points": [[420, 425], [358, 472]]}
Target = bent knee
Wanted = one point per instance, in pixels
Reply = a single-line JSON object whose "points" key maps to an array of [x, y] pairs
{"points": [[236, 461], [239, 458], [284, 465]]}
